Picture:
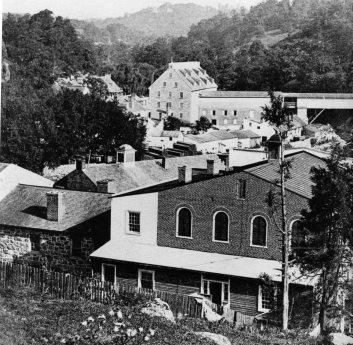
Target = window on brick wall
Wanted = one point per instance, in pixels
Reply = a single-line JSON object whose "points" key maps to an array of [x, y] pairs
{"points": [[109, 273], [214, 112], [164, 84], [298, 238], [146, 279], [133, 222], [181, 94], [158, 104], [158, 94], [181, 115], [234, 112], [170, 75], [221, 227], [35, 242], [169, 94], [181, 105], [176, 84], [184, 222], [225, 112], [240, 188], [259, 232], [76, 246]]}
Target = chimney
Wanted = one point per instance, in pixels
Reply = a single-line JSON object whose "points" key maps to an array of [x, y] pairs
{"points": [[165, 163], [55, 206], [212, 167], [80, 163], [231, 159], [184, 174], [106, 186]]}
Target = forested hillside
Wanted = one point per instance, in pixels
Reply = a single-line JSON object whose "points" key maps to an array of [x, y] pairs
{"points": [[304, 45], [299, 45], [40, 128]]}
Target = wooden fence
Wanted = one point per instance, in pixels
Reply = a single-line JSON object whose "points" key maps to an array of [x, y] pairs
{"points": [[70, 287]]}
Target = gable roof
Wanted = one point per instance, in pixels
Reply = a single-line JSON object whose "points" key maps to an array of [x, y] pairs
{"points": [[141, 173], [26, 207], [300, 181], [193, 75]]}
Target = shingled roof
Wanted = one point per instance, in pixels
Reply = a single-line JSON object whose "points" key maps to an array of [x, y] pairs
{"points": [[26, 207], [193, 75], [300, 181], [138, 174]]}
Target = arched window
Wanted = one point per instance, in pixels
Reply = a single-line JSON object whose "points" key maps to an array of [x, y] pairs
{"points": [[259, 231], [221, 226], [298, 234], [184, 222]]}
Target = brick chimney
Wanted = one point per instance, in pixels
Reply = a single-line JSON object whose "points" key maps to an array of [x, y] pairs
{"points": [[184, 174], [80, 163], [212, 167], [106, 186], [55, 206], [165, 163]]}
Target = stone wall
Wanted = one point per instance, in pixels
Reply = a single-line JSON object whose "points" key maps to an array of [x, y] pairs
{"points": [[55, 250]]}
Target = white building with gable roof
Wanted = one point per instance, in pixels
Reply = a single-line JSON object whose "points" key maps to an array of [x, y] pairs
{"points": [[176, 91]]}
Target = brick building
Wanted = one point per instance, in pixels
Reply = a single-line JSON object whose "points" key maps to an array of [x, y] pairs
{"points": [[59, 229], [210, 233], [177, 90]]}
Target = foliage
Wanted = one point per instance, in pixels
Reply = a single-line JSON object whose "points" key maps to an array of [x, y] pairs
{"points": [[43, 47], [328, 223], [172, 123], [203, 124], [44, 132], [36, 319]]}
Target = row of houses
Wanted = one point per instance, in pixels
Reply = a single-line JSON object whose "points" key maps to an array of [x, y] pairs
{"points": [[184, 225]]}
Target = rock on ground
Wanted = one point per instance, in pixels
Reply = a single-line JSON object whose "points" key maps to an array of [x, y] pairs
{"points": [[216, 338], [340, 339], [158, 308]]}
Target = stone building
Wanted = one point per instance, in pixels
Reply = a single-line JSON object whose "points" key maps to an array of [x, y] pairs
{"points": [[210, 232], [59, 229], [177, 90]]}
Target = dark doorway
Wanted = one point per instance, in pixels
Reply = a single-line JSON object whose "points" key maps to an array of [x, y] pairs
{"points": [[216, 292]]}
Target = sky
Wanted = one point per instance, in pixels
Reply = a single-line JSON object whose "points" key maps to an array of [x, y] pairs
{"points": [[85, 9]]}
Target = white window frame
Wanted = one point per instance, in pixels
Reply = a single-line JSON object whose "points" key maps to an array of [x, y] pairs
{"points": [[203, 280], [214, 227], [259, 300], [127, 223], [146, 271], [177, 224], [103, 271], [251, 232]]}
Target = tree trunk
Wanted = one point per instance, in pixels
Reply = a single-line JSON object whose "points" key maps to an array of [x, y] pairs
{"points": [[285, 252]]}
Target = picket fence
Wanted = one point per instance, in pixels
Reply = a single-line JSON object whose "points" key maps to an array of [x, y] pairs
{"points": [[70, 287]]}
